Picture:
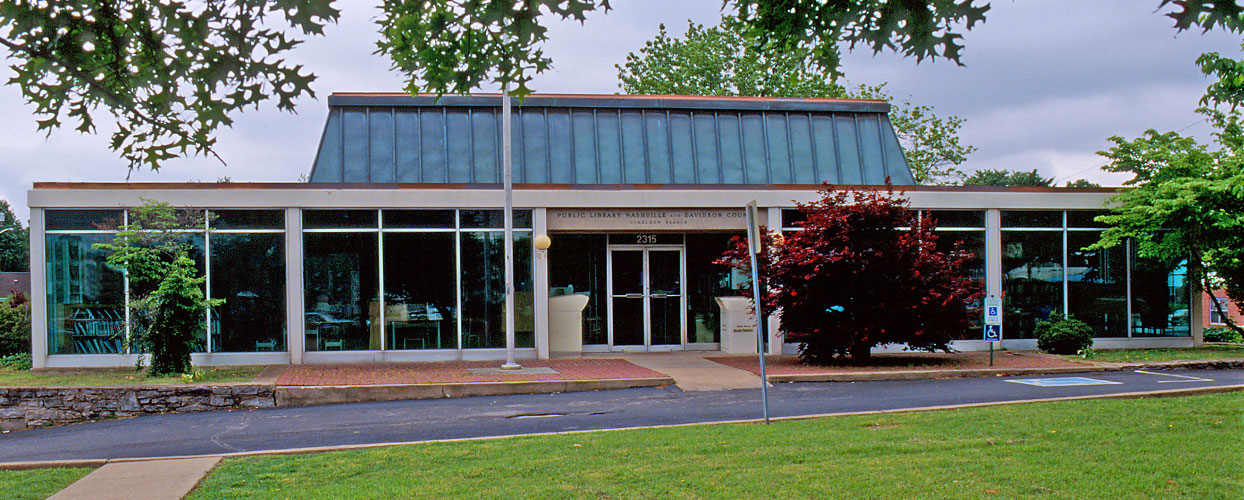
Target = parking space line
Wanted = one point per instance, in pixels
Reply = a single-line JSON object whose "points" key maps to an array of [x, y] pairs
{"points": [[1183, 378]]}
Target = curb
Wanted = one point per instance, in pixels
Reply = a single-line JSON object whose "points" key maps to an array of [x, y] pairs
{"points": [[1216, 364], [329, 394], [1195, 391]]}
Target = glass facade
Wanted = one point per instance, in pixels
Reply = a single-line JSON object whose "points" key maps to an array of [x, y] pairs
{"points": [[441, 274], [242, 252], [1047, 267], [434, 279]]}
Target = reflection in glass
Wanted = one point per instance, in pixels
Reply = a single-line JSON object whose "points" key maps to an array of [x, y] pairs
{"points": [[248, 219], [335, 219], [419, 287], [974, 219], [248, 272], [665, 296], [1097, 284], [483, 290], [194, 244], [85, 297], [1032, 218], [1159, 299], [91, 220], [1032, 279], [341, 291], [973, 243], [577, 265], [705, 281]]}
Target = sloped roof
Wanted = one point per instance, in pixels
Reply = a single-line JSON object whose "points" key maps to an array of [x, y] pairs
{"points": [[609, 139]]}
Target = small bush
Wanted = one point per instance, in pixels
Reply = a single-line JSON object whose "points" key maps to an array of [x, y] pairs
{"points": [[1220, 334], [19, 361], [14, 326], [1063, 335]]}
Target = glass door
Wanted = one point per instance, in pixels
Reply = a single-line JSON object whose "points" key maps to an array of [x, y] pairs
{"points": [[626, 298], [665, 306], [647, 304]]}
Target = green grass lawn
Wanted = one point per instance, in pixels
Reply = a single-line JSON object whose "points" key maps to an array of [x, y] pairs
{"points": [[1110, 449], [39, 483], [1168, 354], [120, 376]]}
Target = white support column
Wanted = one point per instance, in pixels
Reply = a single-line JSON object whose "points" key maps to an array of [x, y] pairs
{"points": [[773, 221], [540, 284], [993, 253], [38, 291], [294, 302]]}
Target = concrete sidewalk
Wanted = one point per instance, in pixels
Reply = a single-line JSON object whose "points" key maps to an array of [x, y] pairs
{"points": [[169, 479], [691, 372]]}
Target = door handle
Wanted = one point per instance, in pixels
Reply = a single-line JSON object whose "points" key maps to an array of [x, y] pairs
{"points": [[634, 295], [659, 295]]}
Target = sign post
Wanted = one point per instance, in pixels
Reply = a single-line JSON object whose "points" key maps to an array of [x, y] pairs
{"points": [[753, 248], [993, 323]]}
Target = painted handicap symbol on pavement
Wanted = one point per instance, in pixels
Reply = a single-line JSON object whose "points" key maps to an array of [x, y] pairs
{"points": [[1063, 381]]}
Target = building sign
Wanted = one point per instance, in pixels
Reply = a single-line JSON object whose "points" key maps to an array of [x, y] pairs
{"points": [[640, 219]]}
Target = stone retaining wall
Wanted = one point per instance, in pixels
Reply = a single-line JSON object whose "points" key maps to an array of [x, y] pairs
{"points": [[24, 407]]}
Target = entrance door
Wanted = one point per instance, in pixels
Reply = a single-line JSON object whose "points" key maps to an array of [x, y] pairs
{"points": [[647, 303]]}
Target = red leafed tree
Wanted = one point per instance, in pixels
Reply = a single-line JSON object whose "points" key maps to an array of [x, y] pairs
{"points": [[863, 271]]}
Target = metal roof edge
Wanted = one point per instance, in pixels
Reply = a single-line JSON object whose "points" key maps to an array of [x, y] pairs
{"points": [[616, 101], [550, 186]]}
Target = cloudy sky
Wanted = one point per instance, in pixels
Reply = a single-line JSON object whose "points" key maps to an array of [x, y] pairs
{"points": [[1045, 83]]}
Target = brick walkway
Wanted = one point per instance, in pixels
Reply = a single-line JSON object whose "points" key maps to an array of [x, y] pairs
{"points": [[790, 365], [449, 372]]}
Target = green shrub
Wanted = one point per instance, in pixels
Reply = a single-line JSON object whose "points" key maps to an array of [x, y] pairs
{"points": [[14, 326], [19, 361], [1063, 335], [1221, 334]]}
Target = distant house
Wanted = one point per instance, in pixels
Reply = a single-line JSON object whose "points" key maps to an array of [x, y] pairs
{"points": [[1209, 313]]}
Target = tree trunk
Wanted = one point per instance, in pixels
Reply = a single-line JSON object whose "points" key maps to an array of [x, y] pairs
{"points": [[861, 353]]}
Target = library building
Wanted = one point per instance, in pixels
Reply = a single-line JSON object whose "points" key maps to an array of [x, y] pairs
{"points": [[393, 250]]}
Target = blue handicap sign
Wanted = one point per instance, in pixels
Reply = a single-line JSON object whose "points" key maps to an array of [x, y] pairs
{"points": [[993, 333]]}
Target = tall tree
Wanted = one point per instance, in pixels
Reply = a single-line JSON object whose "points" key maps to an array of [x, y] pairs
{"points": [[725, 61], [171, 73], [1186, 202], [14, 243]]}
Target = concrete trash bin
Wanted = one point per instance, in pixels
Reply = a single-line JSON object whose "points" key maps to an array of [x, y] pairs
{"points": [[566, 324], [738, 325]]}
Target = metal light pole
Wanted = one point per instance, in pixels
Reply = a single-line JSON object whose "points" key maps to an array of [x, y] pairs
{"points": [[508, 174]]}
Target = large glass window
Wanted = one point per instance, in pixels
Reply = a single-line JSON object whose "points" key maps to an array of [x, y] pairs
{"points": [[342, 291], [1097, 284], [420, 290], [577, 266], [1032, 279], [705, 282], [248, 272], [85, 297], [1160, 299], [414, 279], [87, 302], [483, 290]]}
